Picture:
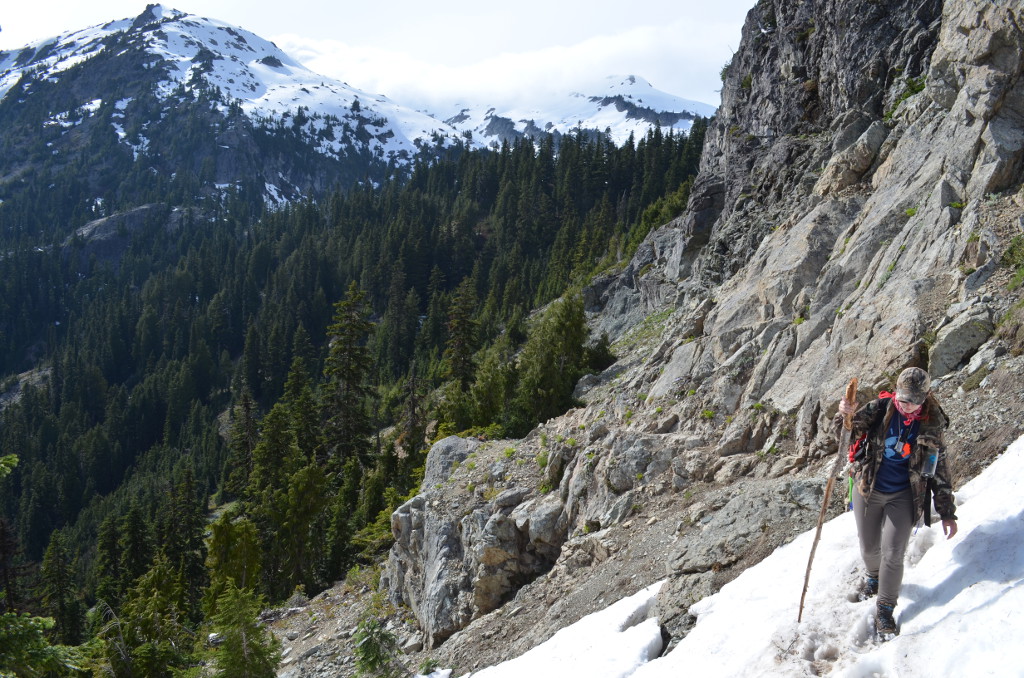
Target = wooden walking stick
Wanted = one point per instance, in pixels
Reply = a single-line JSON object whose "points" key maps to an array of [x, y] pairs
{"points": [[844, 444]]}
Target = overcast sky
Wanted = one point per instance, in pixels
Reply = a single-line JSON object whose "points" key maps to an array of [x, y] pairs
{"points": [[424, 53]]}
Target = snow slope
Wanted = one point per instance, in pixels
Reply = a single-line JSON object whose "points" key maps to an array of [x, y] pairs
{"points": [[271, 86], [266, 82], [621, 105], [960, 611]]}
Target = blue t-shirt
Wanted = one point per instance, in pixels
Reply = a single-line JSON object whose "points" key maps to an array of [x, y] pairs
{"points": [[894, 471]]}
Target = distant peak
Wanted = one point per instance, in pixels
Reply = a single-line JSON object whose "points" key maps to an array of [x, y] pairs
{"points": [[155, 13], [151, 14], [628, 81]]}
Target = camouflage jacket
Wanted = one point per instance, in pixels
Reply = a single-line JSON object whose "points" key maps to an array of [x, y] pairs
{"points": [[874, 419]]}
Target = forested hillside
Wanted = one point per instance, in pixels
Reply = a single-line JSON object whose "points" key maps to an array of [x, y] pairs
{"points": [[205, 399]]}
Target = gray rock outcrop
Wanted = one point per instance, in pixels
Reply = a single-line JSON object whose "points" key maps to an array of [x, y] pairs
{"points": [[858, 187]]}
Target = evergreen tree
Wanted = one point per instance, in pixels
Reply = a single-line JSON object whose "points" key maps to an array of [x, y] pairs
{"points": [[12, 569], [247, 649], [234, 558], [134, 545], [346, 394], [461, 343], [180, 530], [243, 438], [274, 458], [24, 650], [495, 384], [252, 368], [107, 564], [551, 363], [339, 536], [59, 592], [151, 637], [301, 533], [302, 411], [376, 650], [411, 440]]}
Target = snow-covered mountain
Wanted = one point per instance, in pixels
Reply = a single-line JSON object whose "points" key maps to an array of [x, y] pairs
{"points": [[620, 106], [175, 103], [269, 85]]}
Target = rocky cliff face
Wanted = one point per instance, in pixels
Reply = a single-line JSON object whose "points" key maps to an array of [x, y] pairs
{"points": [[858, 190]]}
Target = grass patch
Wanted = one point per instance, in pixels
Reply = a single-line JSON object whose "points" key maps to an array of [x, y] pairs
{"points": [[651, 328], [974, 381], [1013, 257], [912, 87]]}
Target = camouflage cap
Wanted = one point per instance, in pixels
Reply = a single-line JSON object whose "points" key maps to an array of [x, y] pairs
{"points": [[913, 385]]}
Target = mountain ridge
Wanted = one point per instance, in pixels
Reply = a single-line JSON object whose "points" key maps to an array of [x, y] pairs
{"points": [[180, 54], [624, 106]]}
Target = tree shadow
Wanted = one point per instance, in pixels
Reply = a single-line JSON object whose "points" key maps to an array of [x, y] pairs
{"points": [[992, 552]]}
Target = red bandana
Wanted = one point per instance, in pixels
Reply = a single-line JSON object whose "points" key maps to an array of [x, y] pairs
{"points": [[908, 419]]}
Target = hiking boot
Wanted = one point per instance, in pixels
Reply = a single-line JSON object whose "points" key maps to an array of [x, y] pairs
{"points": [[885, 624], [868, 588]]}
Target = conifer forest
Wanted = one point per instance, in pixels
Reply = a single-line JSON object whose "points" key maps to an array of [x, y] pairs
{"points": [[220, 404]]}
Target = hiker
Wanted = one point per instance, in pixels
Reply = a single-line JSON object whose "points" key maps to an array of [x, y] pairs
{"points": [[891, 496]]}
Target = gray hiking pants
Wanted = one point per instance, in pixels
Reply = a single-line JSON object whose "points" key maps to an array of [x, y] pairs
{"points": [[884, 522]]}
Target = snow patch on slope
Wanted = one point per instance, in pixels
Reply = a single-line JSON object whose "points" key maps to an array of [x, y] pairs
{"points": [[619, 105], [958, 612]]}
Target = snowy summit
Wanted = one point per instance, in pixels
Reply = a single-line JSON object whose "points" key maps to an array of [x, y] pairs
{"points": [[619, 106], [267, 83]]}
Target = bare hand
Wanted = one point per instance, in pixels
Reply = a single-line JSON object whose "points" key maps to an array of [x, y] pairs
{"points": [[847, 408], [949, 528]]}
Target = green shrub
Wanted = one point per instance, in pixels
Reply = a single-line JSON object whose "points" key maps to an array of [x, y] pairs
{"points": [[913, 86], [1013, 257], [376, 650]]}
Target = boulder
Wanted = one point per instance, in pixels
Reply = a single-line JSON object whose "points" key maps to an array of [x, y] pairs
{"points": [[849, 165], [753, 510], [444, 455], [959, 339]]}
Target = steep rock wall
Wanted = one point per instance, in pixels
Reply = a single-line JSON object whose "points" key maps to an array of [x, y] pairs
{"points": [[857, 189]]}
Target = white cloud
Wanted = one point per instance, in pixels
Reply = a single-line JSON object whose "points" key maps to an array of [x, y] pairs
{"points": [[430, 54], [675, 57]]}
